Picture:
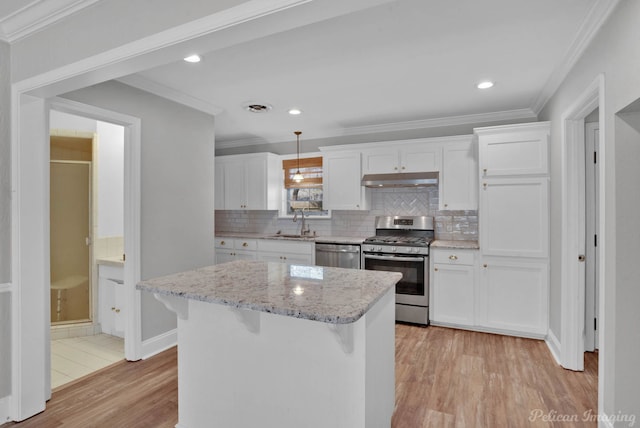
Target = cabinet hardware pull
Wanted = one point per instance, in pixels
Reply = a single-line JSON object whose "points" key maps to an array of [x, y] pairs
{"points": [[453, 257], [403, 168], [395, 168], [117, 311], [581, 258], [244, 244], [221, 242], [446, 205], [113, 308], [484, 265], [435, 269], [485, 171], [484, 185]]}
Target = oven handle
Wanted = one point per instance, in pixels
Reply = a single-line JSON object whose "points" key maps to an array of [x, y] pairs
{"points": [[394, 258]]}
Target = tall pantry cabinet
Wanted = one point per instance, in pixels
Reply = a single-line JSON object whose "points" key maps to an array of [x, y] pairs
{"points": [[514, 228]]}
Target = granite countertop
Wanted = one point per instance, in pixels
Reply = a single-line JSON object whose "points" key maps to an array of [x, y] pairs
{"points": [[331, 295], [473, 245], [111, 261], [284, 236]]}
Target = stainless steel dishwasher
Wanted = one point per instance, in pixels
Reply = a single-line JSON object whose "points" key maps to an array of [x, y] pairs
{"points": [[338, 255]]}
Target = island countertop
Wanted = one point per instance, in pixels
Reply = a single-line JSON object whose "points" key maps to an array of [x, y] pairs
{"points": [[330, 295]]}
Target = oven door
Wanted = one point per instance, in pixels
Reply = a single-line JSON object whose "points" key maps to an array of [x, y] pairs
{"points": [[413, 288]]}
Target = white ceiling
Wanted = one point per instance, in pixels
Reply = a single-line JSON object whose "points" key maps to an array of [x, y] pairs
{"points": [[408, 60], [397, 65]]}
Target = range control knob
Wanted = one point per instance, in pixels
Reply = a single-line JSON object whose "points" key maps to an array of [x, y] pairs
{"points": [[393, 249], [379, 248]]}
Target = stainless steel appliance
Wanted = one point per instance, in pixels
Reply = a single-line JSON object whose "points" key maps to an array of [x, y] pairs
{"points": [[401, 244], [338, 255]]}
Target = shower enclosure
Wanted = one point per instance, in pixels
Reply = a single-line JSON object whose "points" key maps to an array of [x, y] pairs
{"points": [[70, 220]]}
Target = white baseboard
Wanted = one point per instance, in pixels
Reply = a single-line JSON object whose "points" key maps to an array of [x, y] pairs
{"points": [[554, 346], [5, 409], [157, 344]]}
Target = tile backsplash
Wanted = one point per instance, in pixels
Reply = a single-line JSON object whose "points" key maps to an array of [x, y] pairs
{"points": [[449, 225]]}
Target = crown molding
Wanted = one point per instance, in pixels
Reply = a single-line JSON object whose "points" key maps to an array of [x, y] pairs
{"points": [[596, 17], [37, 15], [518, 114], [170, 93]]}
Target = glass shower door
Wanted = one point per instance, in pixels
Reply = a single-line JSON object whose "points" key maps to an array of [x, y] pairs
{"points": [[70, 212]]}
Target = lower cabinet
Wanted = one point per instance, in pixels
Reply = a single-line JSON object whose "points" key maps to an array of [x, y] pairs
{"points": [[453, 286], [268, 250], [286, 251], [111, 299], [513, 295], [506, 295], [230, 249]]}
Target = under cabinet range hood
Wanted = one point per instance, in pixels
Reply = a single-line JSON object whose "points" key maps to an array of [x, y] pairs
{"points": [[403, 179]]}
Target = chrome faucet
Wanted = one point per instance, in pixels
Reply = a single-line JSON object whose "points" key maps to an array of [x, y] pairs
{"points": [[303, 231]]}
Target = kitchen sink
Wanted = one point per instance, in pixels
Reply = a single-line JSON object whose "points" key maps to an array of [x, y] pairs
{"points": [[284, 235]]}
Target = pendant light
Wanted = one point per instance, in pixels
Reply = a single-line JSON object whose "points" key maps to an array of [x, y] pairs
{"points": [[298, 177]]}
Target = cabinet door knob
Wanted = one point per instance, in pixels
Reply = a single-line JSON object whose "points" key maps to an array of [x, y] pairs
{"points": [[484, 265], [484, 171], [453, 257], [446, 205], [113, 308], [395, 168], [402, 167], [435, 269], [221, 242], [484, 185], [244, 244], [117, 311]]}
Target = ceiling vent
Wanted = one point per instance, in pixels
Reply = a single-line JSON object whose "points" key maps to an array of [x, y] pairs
{"points": [[257, 108]]}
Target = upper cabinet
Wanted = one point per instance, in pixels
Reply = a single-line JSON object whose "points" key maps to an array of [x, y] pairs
{"points": [[342, 176], [406, 158], [514, 150], [248, 182], [459, 176]]}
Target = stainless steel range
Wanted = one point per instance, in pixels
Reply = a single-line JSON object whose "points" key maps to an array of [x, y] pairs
{"points": [[401, 244]]}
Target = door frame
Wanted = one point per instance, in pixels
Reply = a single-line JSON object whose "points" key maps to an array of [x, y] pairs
{"points": [[572, 231], [591, 250], [132, 192]]}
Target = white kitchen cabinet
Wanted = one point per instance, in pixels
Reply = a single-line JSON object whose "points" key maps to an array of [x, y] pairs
{"points": [[111, 297], [514, 217], [284, 251], [458, 185], [219, 185], [453, 287], [249, 182], [341, 182], [513, 296], [514, 150], [230, 249], [407, 158]]}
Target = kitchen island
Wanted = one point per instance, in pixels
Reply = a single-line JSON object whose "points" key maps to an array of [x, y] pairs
{"points": [[278, 345]]}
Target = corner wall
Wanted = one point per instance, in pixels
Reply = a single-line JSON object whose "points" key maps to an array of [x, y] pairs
{"points": [[614, 52], [177, 187]]}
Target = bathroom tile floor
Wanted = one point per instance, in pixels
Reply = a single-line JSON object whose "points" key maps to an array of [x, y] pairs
{"points": [[75, 357]]}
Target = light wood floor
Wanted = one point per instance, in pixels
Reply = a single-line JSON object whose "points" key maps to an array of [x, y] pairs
{"points": [[444, 378]]}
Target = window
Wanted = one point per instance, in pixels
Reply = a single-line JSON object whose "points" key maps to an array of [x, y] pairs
{"points": [[307, 194]]}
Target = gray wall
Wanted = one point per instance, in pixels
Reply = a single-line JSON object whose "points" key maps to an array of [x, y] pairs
{"points": [[614, 52], [5, 220], [177, 187], [5, 164]]}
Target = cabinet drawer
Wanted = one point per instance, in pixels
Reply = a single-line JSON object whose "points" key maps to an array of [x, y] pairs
{"points": [[454, 256], [224, 243], [246, 244], [282, 246]]}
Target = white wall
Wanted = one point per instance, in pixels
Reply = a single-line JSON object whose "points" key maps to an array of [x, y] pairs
{"points": [[110, 166], [614, 52], [177, 187], [71, 122]]}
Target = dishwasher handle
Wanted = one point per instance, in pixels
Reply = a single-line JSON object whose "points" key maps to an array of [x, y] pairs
{"points": [[321, 250]]}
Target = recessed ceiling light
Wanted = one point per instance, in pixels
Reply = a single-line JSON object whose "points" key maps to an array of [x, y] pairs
{"points": [[485, 85], [257, 107], [193, 58], [295, 111]]}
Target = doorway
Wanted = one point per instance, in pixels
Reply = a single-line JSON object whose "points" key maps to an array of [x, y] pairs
{"points": [[592, 180]]}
